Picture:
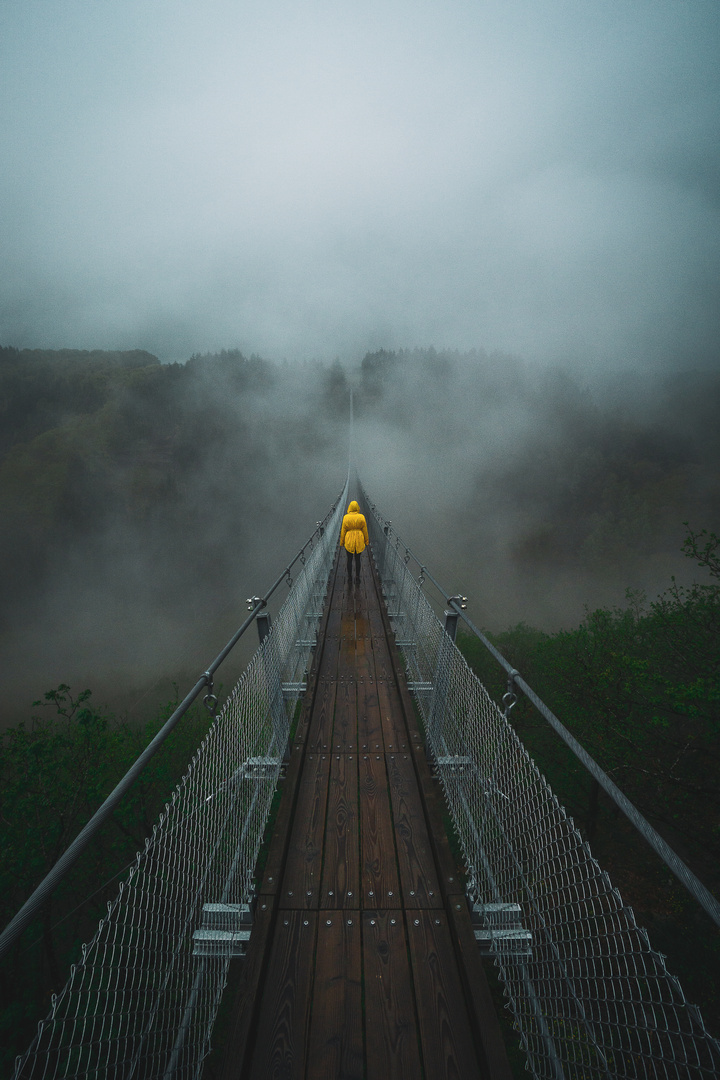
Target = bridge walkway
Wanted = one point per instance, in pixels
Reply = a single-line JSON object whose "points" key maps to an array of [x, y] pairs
{"points": [[362, 962]]}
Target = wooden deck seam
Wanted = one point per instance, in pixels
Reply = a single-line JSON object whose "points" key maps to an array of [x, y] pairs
{"points": [[381, 989], [489, 1042]]}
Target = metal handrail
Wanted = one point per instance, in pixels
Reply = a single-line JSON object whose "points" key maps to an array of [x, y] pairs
{"points": [[67, 860], [673, 861]]}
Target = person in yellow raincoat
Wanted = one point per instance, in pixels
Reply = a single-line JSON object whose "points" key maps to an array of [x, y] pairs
{"points": [[354, 538]]}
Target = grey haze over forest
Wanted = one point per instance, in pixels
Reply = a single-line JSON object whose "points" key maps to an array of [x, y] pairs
{"points": [[321, 179], [525, 186], [141, 503]]}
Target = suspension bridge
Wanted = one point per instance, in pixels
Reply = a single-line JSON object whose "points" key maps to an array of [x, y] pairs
{"points": [[361, 942]]}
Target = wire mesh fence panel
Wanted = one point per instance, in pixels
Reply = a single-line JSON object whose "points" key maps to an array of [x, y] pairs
{"points": [[141, 1002], [590, 996]]}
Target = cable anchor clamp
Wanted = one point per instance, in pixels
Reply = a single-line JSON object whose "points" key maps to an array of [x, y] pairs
{"points": [[509, 698], [210, 700], [461, 601]]}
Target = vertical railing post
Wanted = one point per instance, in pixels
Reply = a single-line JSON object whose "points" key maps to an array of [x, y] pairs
{"points": [[273, 681], [441, 685], [451, 624]]}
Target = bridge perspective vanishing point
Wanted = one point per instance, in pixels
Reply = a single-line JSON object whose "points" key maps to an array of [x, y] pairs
{"points": [[360, 944]]}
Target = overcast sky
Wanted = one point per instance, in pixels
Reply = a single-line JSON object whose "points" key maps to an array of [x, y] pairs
{"points": [[312, 179]]}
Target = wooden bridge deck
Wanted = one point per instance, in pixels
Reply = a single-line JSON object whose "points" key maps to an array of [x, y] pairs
{"points": [[362, 962]]}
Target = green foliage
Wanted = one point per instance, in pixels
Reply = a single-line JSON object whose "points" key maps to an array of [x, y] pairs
{"points": [[705, 556], [42, 389], [639, 687], [54, 773]]}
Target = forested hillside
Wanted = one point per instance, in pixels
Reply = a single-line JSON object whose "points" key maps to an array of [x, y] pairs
{"points": [[135, 496]]}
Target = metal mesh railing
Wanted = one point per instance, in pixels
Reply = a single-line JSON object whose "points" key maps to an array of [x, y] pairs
{"points": [[590, 996], [141, 1002]]}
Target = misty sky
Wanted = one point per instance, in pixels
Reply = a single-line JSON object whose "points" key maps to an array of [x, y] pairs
{"points": [[318, 179]]}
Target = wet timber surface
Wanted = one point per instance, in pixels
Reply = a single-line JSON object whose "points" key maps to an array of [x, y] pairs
{"points": [[362, 963]]}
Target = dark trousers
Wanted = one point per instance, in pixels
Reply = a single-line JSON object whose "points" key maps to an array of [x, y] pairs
{"points": [[350, 556]]}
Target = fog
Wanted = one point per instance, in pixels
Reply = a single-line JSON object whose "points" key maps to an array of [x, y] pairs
{"points": [[321, 179], [536, 182], [137, 515], [129, 569]]}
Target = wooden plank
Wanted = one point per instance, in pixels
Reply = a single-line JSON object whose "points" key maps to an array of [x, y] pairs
{"points": [[379, 881], [329, 630], [418, 877], [247, 996], [336, 1039], [321, 722], [341, 860], [377, 626], [489, 1041], [450, 880], [370, 735], [301, 881], [344, 734], [281, 1043], [394, 726], [393, 721], [392, 1045], [447, 1044], [331, 652], [347, 600], [274, 865], [369, 720]]}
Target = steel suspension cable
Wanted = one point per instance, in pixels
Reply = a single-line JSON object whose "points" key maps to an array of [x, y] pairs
{"points": [[671, 859], [66, 861]]}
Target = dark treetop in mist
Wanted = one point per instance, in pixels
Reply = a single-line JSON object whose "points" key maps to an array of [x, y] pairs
{"points": [[324, 178]]}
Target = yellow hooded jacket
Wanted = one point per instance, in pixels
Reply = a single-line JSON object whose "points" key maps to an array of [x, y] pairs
{"points": [[354, 535]]}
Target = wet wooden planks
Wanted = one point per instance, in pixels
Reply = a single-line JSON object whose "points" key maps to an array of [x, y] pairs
{"points": [[360, 976]]}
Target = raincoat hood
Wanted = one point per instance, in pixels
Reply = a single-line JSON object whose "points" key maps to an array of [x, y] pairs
{"points": [[353, 508]]}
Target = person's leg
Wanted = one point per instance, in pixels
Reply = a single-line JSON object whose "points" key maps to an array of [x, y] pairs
{"points": [[349, 564], [357, 567]]}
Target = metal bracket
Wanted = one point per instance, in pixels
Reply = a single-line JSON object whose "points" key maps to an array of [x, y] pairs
{"points": [[264, 624], [456, 763], [498, 929], [293, 689], [259, 768], [225, 928], [461, 601], [509, 698], [210, 700], [451, 624]]}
